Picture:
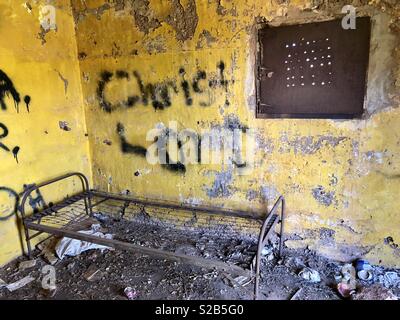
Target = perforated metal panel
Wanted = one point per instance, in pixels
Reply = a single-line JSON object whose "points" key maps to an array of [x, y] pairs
{"points": [[314, 70]]}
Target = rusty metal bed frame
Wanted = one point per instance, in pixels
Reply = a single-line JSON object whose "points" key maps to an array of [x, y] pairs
{"points": [[56, 222]]}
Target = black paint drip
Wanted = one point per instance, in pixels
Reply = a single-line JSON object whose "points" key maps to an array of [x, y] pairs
{"points": [[15, 151], [27, 100]]}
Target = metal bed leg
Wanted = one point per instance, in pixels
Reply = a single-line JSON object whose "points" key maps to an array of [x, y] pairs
{"points": [[281, 231], [87, 211], [87, 199], [257, 278], [28, 243], [90, 204], [261, 241]]}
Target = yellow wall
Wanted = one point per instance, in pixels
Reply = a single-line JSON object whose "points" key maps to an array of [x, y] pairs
{"points": [[340, 178], [36, 68]]}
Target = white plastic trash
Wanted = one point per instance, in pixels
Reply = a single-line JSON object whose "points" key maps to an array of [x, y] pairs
{"points": [[310, 275], [73, 247]]}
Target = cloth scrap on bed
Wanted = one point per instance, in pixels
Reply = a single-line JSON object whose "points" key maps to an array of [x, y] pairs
{"points": [[73, 247]]}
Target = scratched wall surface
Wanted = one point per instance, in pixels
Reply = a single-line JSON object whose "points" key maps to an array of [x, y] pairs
{"points": [[145, 63], [42, 128]]}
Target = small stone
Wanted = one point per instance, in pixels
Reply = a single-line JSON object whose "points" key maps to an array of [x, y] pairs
{"points": [[92, 273], [310, 275], [270, 257], [20, 283], [50, 257], [71, 266], [265, 251], [23, 265], [2, 283], [242, 280], [338, 277]]}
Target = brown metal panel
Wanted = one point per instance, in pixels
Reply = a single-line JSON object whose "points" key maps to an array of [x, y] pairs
{"points": [[313, 70]]}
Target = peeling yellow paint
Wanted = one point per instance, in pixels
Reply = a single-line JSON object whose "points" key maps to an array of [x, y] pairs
{"points": [[45, 150]]}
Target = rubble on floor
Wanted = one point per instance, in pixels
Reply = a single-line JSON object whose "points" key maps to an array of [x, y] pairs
{"points": [[122, 275], [96, 275], [310, 275], [27, 264], [374, 292], [20, 283]]}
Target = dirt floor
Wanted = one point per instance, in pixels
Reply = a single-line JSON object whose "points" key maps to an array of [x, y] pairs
{"points": [[104, 274]]}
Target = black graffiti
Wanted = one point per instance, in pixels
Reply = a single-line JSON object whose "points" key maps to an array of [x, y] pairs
{"points": [[162, 140], [199, 149], [126, 147], [201, 75], [15, 198], [185, 88], [4, 134], [105, 77], [159, 93], [27, 100], [138, 150], [7, 89], [15, 151], [239, 165], [222, 81], [35, 202]]}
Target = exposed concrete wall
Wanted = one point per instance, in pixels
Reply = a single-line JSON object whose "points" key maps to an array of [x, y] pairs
{"points": [[340, 178], [44, 135]]}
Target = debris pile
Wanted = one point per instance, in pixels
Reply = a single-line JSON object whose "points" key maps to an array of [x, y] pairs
{"points": [[373, 281], [84, 271]]}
